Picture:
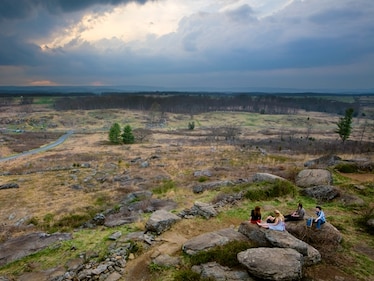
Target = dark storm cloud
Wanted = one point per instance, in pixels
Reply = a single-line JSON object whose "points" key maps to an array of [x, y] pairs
{"points": [[20, 9], [14, 51]]}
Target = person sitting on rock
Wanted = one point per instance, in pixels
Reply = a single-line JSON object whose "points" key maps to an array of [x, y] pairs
{"points": [[278, 223], [321, 219], [255, 215], [297, 215]]}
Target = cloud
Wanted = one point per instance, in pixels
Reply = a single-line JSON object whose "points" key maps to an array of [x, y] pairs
{"points": [[20, 9], [110, 42]]}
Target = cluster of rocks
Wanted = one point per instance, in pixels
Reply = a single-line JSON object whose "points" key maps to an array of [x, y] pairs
{"points": [[295, 248]]}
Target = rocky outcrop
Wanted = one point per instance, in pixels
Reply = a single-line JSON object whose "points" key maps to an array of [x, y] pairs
{"points": [[215, 271], [209, 240], [323, 162], [280, 239], [16, 248], [161, 221], [328, 235], [199, 209], [313, 177], [323, 193], [272, 263]]}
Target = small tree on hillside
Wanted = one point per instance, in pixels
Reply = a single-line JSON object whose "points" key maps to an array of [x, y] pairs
{"points": [[345, 125], [127, 135], [115, 133]]}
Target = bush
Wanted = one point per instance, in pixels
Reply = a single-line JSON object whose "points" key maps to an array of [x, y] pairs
{"points": [[347, 167], [271, 190], [189, 275], [165, 187]]}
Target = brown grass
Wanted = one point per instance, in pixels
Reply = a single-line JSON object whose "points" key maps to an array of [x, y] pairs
{"points": [[47, 179]]}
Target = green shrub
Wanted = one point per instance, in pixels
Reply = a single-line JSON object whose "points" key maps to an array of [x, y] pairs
{"points": [[189, 275], [69, 222], [164, 187], [362, 220], [347, 167], [266, 191], [202, 179]]}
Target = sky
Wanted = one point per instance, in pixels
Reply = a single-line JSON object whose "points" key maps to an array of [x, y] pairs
{"points": [[194, 44]]}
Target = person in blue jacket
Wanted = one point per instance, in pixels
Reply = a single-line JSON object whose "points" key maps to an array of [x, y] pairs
{"points": [[321, 219]]}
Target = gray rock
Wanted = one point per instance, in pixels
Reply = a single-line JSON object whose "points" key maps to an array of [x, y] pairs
{"points": [[272, 263], [9, 185], [137, 196], [258, 177], [280, 239], [202, 173], [218, 272], [216, 185], [370, 223], [254, 233], [209, 240], [160, 221], [352, 200], [328, 235], [322, 162], [313, 177], [166, 260], [323, 193], [23, 246], [116, 235]]}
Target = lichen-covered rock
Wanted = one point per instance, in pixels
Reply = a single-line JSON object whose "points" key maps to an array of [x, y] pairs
{"points": [[209, 240], [278, 264], [160, 221], [313, 177]]}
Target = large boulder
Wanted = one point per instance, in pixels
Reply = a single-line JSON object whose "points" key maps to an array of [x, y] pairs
{"points": [[280, 239], [218, 272], [273, 263], [254, 233], [160, 221], [327, 235], [209, 240], [199, 209], [313, 177], [323, 193], [19, 247], [323, 162]]}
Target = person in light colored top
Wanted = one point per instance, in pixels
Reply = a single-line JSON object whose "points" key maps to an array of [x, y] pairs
{"points": [[321, 219], [278, 223]]}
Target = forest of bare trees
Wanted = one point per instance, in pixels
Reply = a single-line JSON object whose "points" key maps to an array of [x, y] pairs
{"points": [[187, 103]]}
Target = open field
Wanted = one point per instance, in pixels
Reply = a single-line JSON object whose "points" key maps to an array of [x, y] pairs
{"points": [[78, 177]]}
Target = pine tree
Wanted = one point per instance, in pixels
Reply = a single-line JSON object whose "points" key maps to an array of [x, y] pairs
{"points": [[127, 136], [115, 133], [345, 125]]}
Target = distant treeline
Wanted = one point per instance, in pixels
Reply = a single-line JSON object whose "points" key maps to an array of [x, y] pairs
{"points": [[186, 103]]}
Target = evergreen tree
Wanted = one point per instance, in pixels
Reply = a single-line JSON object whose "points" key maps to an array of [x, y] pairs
{"points": [[128, 136], [345, 125], [115, 133]]}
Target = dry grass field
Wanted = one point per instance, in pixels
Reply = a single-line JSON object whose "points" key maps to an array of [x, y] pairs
{"points": [[77, 177]]}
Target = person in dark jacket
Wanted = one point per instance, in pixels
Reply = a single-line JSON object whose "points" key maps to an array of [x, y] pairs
{"points": [[255, 215]]}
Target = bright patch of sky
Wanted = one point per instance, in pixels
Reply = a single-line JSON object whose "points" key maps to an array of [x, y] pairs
{"points": [[136, 22]]}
